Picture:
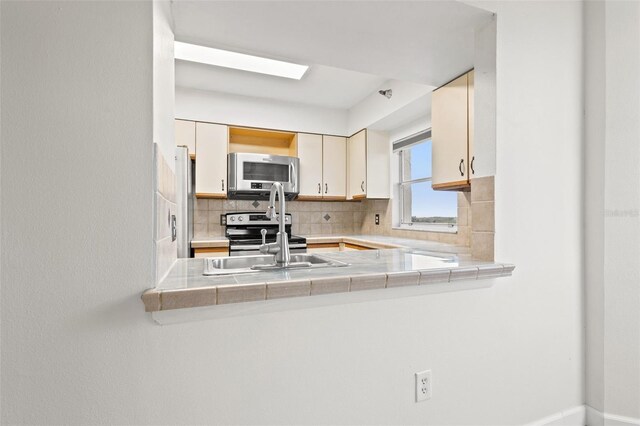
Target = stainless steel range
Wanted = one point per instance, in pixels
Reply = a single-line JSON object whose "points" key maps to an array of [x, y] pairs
{"points": [[244, 233]]}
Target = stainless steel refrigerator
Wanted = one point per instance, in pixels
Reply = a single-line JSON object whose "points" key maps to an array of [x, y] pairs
{"points": [[184, 200]]}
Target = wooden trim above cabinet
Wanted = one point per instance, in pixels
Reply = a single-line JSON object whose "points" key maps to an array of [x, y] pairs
{"points": [[319, 198], [211, 250], [207, 195], [309, 198], [461, 185], [322, 245], [356, 247]]}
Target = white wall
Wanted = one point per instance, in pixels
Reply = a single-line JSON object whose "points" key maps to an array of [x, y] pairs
{"points": [[163, 80], [375, 107], [227, 108], [78, 349], [612, 205], [193, 104], [76, 211], [409, 129], [484, 142], [595, 134], [622, 210], [538, 221]]}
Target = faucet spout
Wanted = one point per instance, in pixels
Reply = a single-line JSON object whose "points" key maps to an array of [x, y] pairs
{"points": [[281, 247], [277, 188]]}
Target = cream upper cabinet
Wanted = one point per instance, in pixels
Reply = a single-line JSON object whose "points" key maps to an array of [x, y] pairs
{"points": [[311, 165], [450, 135], [211, 161], [186, 135], [378, 183], [323, 167], [357, 154], [334, 167], [369, 163]]}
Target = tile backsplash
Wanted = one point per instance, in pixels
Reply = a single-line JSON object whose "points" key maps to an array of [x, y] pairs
{"points": [[164, 191], [358, 217], [310, 217], [328, 217], [483, 227]]}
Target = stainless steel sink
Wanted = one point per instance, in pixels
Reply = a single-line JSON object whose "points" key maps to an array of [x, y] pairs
{"points": [[314, 259], [246, 264]]}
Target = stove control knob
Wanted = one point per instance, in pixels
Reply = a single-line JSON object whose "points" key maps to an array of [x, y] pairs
{"points": [[233, 218], [240, 219]]}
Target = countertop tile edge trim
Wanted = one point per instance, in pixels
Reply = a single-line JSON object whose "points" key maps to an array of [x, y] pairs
{"points": [[152, 298]]}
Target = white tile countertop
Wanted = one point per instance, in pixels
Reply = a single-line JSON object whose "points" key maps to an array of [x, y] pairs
{"points": [[409, 263]]}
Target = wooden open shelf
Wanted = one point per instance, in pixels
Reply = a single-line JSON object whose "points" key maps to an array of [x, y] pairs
{"points": [[259, 141]]}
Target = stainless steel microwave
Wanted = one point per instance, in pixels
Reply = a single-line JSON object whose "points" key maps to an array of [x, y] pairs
{"points": [[251, 175]]}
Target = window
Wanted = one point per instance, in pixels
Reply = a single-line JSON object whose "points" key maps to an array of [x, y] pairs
{"points": [[419, 205]]}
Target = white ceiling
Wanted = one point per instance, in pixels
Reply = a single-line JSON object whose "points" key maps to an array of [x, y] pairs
{"points": [[352, 47], [321, 85]]}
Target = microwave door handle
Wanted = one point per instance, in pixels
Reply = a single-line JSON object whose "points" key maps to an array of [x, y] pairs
{"points": [[294, 177]]}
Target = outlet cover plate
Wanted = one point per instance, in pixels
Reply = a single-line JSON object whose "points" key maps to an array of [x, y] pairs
{"points": [[423, 385]]}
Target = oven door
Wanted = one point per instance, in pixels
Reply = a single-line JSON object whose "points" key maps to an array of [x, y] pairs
{"points": [[257, 172]]}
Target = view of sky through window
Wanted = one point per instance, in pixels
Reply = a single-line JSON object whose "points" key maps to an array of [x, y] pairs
{"points": [[426, 205], [420, 161]]}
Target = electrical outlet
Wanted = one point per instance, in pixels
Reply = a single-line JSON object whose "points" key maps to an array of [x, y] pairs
{"points": [[423, 385], [377, 219]]}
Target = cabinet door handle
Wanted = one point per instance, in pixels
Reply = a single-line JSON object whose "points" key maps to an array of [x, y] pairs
{"points": [[223, 184], [362, 186], [319, 188], [326, 188], [473, 172], [460, 167]]}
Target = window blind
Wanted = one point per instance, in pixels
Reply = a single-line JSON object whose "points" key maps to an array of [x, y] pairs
{"points": [[411, 140]]}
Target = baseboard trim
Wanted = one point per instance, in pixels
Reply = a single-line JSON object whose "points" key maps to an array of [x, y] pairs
{"points": [[598, 418], [575, 416], [582, 415]]}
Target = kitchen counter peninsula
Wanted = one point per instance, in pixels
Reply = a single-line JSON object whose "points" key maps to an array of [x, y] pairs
{"points": [[389, 263]]}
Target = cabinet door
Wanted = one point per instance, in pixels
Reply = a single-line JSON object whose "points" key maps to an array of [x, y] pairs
{"points": [[449, 135], [378, 165], [310, 155], [334, 167], [357, 151], [211, 162], [186, 135], [470, 107]]}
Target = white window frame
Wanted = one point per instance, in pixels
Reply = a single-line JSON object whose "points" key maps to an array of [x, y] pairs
{"points": [[401, 183]]}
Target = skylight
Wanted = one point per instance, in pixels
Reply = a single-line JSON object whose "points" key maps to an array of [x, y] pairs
{"points": [[239, 61]]}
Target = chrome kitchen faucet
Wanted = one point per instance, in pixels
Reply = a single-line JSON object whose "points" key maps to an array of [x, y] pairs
{"points": [[281, 247]]}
